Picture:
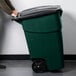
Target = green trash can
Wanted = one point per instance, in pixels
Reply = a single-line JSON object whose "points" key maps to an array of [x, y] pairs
{"points": [[42, 28]]}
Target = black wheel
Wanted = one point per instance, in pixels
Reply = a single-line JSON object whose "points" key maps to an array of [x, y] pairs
{"points": [[39, 66], [2, 67]]}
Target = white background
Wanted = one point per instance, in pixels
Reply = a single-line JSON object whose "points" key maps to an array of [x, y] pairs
{"points": [[12, 39]]}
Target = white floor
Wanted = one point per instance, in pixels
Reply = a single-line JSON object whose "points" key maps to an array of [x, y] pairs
{"points": [[23, 68]]}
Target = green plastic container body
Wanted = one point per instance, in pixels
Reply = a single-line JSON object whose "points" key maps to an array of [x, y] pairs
{"points": [[44, 39]]}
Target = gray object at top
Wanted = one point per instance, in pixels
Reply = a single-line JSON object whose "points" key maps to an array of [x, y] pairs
{"points": [[38, 11]]}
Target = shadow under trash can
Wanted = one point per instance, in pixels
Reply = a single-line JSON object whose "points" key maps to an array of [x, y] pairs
{"points": [[42, 28]]}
